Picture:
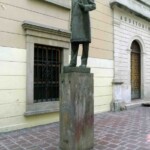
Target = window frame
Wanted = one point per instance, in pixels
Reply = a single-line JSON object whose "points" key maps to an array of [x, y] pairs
{"points": [[45, 35]]}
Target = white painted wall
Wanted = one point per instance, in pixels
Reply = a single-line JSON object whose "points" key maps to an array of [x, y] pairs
{"points": [[128, 27], [103, 76]]}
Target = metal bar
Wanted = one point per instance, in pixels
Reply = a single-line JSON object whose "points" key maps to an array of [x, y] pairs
{"points": [[47, 68]]}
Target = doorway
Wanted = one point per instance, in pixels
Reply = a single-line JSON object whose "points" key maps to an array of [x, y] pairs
{"points": [[135, 71]]}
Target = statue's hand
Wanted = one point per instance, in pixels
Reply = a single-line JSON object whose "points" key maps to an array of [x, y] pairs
{"points": [[81, 5]]}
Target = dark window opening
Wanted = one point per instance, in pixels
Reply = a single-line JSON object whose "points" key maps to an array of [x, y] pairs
{"points": [[47, 65]]}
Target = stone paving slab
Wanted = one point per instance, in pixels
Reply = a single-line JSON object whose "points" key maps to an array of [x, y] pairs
{"points": [[127, 130]]}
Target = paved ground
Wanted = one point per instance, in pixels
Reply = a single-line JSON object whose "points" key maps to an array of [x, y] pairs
{"points": [[127, 130]]}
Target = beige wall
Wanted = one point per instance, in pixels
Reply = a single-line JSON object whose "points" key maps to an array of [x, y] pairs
{"points": [[13, 57], [13, 13], [101, 55]]}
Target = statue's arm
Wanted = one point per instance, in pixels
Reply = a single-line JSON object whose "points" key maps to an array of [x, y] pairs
{"points": [[88, 7]]}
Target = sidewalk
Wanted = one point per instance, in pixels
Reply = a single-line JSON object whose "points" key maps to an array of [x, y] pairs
{"points": [[127, 130]]}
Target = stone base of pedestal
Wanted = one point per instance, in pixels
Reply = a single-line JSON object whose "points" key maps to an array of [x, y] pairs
{"points": [[76, 110]]}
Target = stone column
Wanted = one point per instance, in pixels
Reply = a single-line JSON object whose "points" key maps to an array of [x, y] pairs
{"points": [[76, 109]]}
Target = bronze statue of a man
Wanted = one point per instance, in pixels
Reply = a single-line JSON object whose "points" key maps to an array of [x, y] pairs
{"points": [[80, 30]]}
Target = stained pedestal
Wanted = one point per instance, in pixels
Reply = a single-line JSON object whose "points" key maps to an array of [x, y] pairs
{"points": [[76, 109]]}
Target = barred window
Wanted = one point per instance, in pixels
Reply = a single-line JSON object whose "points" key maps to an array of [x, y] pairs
{"points": [[47, 62]]}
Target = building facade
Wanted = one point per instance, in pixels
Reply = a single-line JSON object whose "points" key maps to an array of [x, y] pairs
{"points": [[131, 50], [34, 46]]}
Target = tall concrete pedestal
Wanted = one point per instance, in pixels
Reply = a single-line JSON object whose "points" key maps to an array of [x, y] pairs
{"points": [[76, 109]]}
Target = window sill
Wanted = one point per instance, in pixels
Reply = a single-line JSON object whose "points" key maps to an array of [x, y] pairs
{"points": [[42, 108], [63, 4]]}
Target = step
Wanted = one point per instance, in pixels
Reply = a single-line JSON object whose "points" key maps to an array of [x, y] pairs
{"points": [[136, 103]]}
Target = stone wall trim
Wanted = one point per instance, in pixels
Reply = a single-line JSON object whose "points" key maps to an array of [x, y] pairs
{"points": [[132, 6], [43, 28]]}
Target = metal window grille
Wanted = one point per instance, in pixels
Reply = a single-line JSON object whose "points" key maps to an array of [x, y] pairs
{"points": [[46, 73]]}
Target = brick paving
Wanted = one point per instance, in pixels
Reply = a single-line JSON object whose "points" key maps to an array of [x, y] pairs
{"points": [[126, 130]]}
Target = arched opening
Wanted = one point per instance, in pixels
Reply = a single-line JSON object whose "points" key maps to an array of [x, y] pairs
{"points": [[135, 71]]}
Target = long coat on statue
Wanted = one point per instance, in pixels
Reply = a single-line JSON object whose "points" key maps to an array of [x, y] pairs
{"points": [[80, 21]]}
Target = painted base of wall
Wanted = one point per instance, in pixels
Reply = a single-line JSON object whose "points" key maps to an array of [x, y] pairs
{"points": [[13, 90]]}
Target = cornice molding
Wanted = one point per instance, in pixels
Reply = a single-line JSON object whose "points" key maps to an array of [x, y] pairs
{"points": [[145, 2], [28, 25], [117, 81], [136, 7]]}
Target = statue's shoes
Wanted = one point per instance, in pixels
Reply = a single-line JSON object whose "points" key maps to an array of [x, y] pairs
{"points": [[82, 66], [71, 65]]}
